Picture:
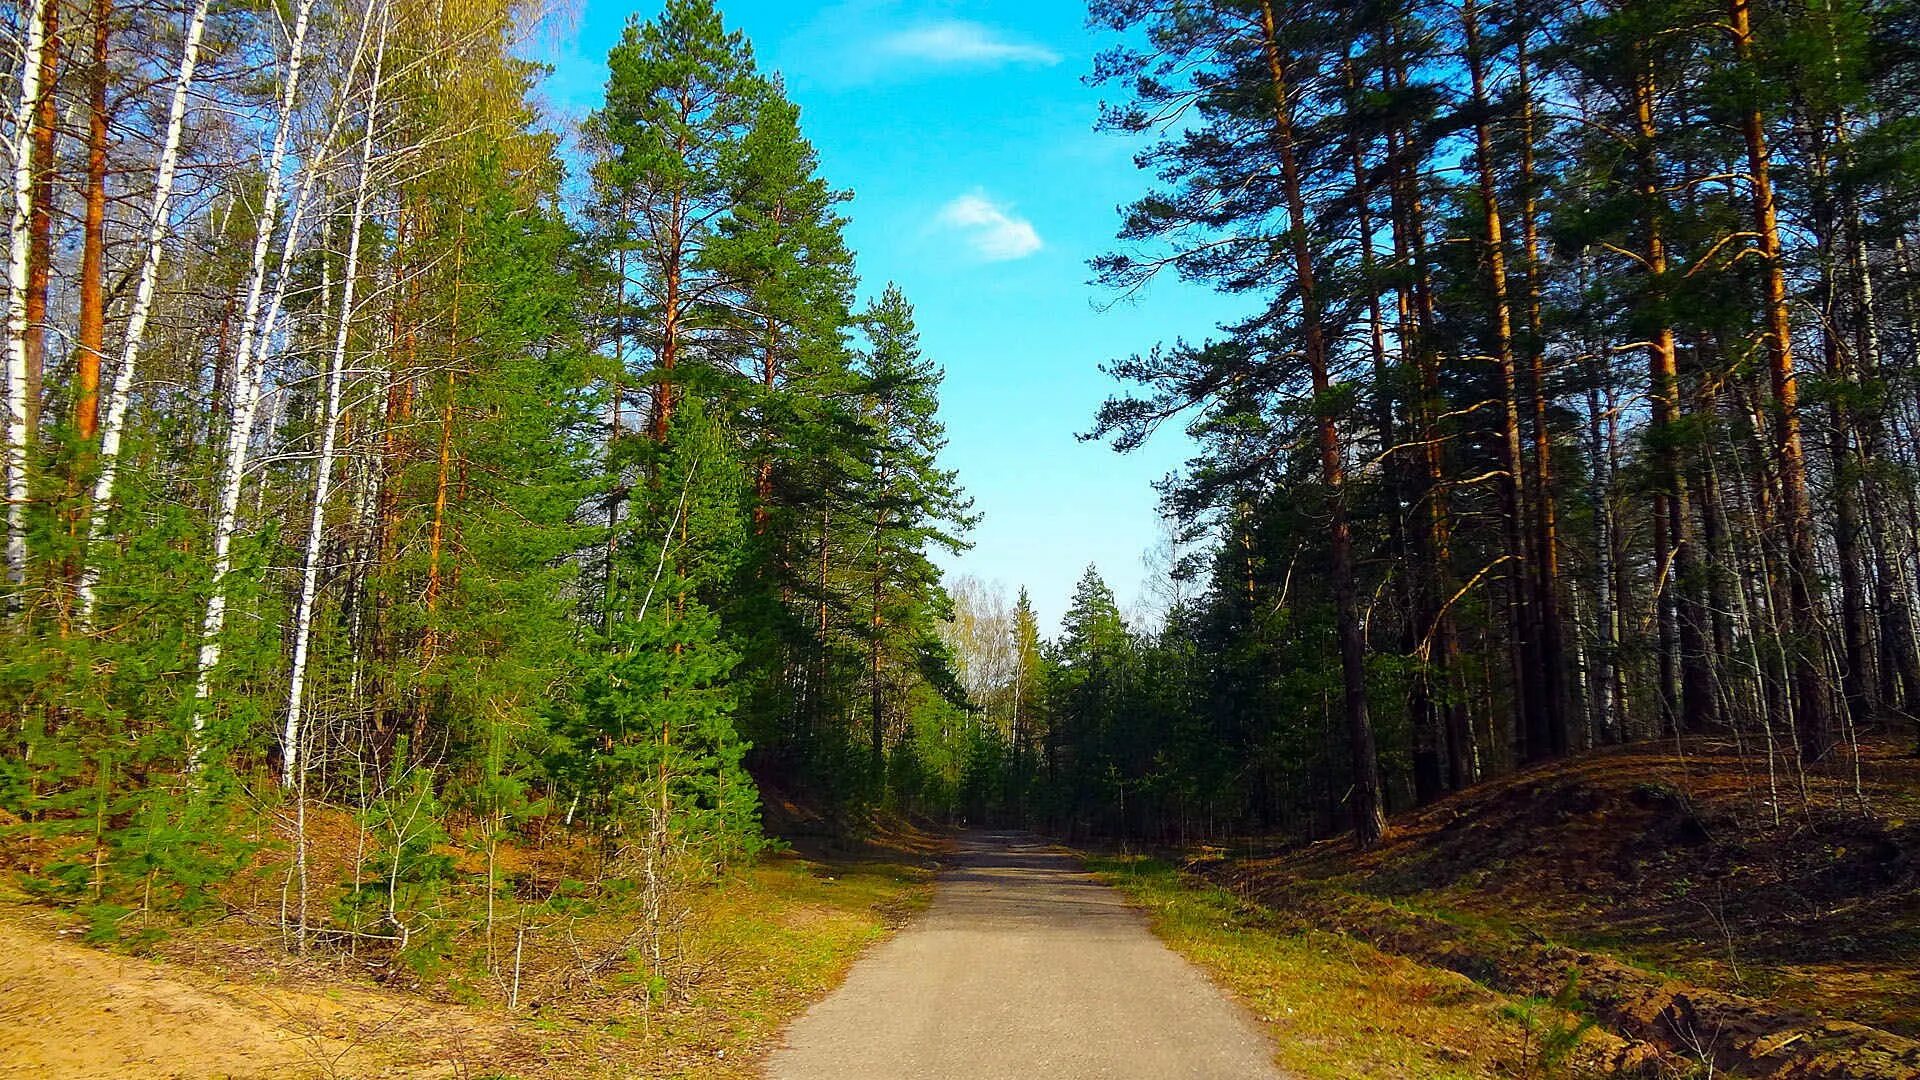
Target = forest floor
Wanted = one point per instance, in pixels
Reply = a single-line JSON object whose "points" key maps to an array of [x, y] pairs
{"points": [[225, 1000], [1673, 894]]}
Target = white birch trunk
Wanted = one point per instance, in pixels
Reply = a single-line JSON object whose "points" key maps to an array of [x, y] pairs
{"points": [[114, 423], [17, 252], [246, 384], [329, 429]]}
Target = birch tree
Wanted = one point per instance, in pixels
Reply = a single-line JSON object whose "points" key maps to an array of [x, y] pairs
{"points": [[17, 448], [330, 417], [158, 222], [245, 370]]}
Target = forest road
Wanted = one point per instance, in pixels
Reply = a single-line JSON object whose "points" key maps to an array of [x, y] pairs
{"points": [[1025, 966]]}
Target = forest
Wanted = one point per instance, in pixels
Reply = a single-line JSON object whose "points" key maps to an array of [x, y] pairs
{"points": [[399, 475], [1572, 407], [380, 473]]}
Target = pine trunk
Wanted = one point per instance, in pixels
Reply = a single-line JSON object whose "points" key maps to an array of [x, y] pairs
{"points": [[1530, 714], [93, 307], [1555, 699], [114, 423], [1812, 716], [1440, 642], [1367, 803], [1682, 647]]}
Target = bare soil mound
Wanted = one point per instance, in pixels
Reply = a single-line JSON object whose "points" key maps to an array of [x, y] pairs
{"points": [[78, 1013]]}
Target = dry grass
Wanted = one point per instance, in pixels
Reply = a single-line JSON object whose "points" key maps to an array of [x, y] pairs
{"points": [[749, 950]]}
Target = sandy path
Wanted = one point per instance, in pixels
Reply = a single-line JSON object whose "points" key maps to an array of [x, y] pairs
{"points": [[78, 1013], [1025, 966]]}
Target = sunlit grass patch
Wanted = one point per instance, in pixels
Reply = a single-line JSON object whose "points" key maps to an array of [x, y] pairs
{"points": [[761, 945], [1334, 1007]]}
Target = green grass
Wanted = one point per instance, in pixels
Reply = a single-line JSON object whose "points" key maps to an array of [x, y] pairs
{"points": [[1337, 1008]]}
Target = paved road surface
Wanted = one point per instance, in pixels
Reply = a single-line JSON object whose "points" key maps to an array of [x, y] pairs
{"points": [[1024, 967]]}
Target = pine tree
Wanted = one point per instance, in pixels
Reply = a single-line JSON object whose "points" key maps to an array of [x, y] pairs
{"points": [[908, 504], [1258, 80], [781, 251], [681, 96]]}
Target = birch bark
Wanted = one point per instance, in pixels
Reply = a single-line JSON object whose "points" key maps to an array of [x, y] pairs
{"points": [[17, 269], [329, 429], [245, 380], [114, 423]]}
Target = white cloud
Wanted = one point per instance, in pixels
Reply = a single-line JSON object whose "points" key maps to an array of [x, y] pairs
{"points": [[991, 230], [959, 42]]}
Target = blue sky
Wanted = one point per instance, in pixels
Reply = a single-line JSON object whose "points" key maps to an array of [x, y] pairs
{"points": [[966, 133]]}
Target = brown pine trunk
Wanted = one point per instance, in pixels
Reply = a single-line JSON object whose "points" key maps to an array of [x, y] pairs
{"points": [[1682, 658], [1812, 717], [1428, 739], [46, 119], [93, 314], [617, 489], [818, 714], [430, 599], [384, 545], [670, 319], [1713, 539], [436, 533], [1546, 537], [1444, 669], [1367, 802], [763, 473], [429, 646], [1530, 716], [877, 697]]}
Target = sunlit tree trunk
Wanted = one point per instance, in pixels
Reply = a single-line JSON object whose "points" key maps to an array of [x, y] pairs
{"points": [[246, 376], [1440, 639], [1682, 649], [114, 422], [1812, 715], [91, 336], [1554, 664], [18, 320], [293, 738], [46, 134], [672, 316], [430, 642], [1423, 704], [1366, 802], [1530, 713]]}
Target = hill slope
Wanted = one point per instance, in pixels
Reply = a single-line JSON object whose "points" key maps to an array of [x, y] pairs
{"points": [[1705, 908]]}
